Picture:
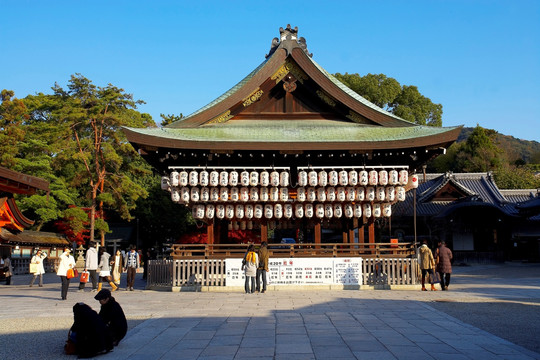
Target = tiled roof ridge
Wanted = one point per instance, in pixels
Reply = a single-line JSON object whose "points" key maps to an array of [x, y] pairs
{"points": [[492, 187], [444, 179]]}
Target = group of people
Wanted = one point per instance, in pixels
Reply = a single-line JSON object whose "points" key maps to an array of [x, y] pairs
{"points": [[255, 266], [92, 333], [108, 269], [441, 263]]}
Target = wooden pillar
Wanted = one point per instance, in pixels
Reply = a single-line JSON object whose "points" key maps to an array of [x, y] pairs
{"points": [[371, 234], [317, 234], [264, 231], [210, 233]]}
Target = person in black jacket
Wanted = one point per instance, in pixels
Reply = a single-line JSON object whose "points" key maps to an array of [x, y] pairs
{"points": [[112, 314], [89, 332]]}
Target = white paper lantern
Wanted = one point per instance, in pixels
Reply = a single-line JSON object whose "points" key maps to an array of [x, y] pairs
{"points": [[229, 211], [185, 195], [242, 225], [299, 211], [360, 193], [248, 211], [323, 178], [278, 211], [254, 194], [351, 193], [253, 178], [333, 178], [348, 210], [353, 178], [319, 211], [302, 178], [301, 194], [321, 194], [264, 178], [204, 178], [377, 211], [268, 211], [363, 178], [205, 194], [274, 178], [175, 194], [244, 194], [370, 193], [174, 178], [244, 178], [393, 177], [193, 178], [214, 178], [308, 210], [223, 178], [235, 194], [263, 192], [214, 194], [287, 211], [403, 177], [239, 211], [357, 210], [383, 177], [380, 193], [183, 178], [258, 211], [284, 179], [233, 178], [400, 193], [194, 194], [198, 211], [414, 181], [165, 183], [343, 178], [387, 210], [283, 194], [390, 193], [220, 211], [366, 210], [373, 177], [313, 178], [338, 211], [311, 194], [328, 211], [341, 194], [274, 194], [210, 211], [331, 194], [224, 194]]}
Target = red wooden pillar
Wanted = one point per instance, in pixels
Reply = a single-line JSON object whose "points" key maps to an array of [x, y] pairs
{"points": [[210, 233], [317, 234], [264, 232]]}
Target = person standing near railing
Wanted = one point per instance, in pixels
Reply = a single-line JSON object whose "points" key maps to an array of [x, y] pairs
{"points": [[262, 269], [40, 270], [249, 265]]}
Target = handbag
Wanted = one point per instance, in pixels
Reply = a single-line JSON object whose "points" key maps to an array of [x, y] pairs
{"points": [[84, 276], [72, 273], [70, 348], [33, 268]]}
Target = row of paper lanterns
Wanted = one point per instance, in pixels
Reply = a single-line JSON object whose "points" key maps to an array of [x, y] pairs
{"points": [[274, 178], [274, 194], [278, 211]]}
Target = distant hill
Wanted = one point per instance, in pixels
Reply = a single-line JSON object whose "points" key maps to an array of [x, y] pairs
{"points": [[528, 151]]}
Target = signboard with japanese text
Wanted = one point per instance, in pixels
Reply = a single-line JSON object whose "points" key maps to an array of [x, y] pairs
{"points": [[302, 271]]}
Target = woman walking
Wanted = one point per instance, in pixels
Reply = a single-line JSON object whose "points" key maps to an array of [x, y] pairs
{"points": [[427, 264], [66, 262], [117, 266], [40, 270], [105, 269]]}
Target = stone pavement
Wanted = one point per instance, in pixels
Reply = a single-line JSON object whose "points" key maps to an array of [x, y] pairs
{"points": [[344, 324]]}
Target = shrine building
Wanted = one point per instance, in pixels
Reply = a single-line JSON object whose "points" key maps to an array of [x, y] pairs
{"points": [[290, 147]]}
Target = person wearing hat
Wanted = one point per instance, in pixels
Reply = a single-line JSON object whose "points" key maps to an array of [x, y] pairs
{"points": [[112, 314], [66, 262]]}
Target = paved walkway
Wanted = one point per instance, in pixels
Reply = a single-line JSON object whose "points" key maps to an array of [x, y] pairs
{"points": [[285, 324]]}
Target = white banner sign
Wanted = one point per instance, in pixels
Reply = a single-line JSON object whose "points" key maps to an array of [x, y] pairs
{"points": [[302, 271]]}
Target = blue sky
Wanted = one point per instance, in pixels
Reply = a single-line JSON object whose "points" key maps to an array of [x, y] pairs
{"points": [[479, 59]]}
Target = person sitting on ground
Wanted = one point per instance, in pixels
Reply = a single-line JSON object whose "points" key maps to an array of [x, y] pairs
{"points": [[112, 314], [89, 332]]}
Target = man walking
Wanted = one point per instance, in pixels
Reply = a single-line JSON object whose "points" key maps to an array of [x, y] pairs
{"points": [[444, 264], [91, 265], [262, 269], [132, 264]]}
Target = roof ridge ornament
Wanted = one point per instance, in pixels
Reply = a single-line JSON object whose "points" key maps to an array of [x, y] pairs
{"points": [[288, 39]]}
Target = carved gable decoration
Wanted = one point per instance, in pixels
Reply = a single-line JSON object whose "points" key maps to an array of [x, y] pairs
{"points": [[449, 192]]}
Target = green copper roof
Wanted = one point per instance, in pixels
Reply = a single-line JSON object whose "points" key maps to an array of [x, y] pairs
{"points": [[316, 131]]}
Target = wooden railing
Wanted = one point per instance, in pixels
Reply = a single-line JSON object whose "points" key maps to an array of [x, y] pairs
{"points": [[212, 272], [224, 251]]}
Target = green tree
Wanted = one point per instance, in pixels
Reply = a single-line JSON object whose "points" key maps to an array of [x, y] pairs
{"points": [[169, 119], [387, 93], [12, 113]]}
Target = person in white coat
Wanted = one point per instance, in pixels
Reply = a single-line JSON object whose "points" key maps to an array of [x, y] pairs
{"points": [[91, 265], [249, 265], [40, 270], [66, 262]]}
